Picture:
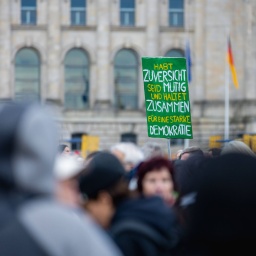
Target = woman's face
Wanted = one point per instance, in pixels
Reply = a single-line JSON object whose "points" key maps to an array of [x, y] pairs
{"points": [[158, 182]]}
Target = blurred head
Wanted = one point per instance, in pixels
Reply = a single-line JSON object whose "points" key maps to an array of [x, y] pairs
{"points": [[155, 178], [28, 143], [103, 187], [214, 152], [64, 150], [178, 154], [152, 149], [191, 151], [236, 146], [128, 153]]}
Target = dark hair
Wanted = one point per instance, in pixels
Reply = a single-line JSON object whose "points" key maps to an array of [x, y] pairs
{"points": [[155, 163], [192, 151], [215, 151], [118, 192], [62, 147]]}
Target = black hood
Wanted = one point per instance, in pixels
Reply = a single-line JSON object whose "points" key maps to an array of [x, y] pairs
{"points": [[28, 147], [151, 211]]}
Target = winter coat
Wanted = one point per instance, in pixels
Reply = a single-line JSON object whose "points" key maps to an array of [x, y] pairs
{"points": [[31, 221], [145, 226]]}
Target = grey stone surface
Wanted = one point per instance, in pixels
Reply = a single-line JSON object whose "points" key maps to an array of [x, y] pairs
{"points": [[207, 24]]}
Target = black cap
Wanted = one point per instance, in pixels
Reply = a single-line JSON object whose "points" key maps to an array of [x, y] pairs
{"points": [[102, 172]]}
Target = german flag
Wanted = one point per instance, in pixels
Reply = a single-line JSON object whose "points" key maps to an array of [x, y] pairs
{"points": [[232, 65]]}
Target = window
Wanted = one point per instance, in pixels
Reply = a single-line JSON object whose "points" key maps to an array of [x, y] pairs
{"points": [[129, 137], [28, 12], [176, 13], [126, 79], [78, 12], [76, 141], [27, 75], [76, 79], [177, 142], [127, 12], [175, 53]]}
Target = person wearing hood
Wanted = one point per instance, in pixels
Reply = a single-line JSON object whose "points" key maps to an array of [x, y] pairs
{"points": [[32, 222], [139, 225]]}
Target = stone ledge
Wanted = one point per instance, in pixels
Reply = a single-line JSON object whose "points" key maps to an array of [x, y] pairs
{"points": [[126, 29], [29, 27], [78, 28], [102, 120], [175, 29]]}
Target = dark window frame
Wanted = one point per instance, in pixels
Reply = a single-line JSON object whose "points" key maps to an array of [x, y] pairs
{"points": [[78, 14], [176, 15], [121, 91], [180, 52], [127, 14], [28, 14], [35, 66], [129, 137], [77, 68]]}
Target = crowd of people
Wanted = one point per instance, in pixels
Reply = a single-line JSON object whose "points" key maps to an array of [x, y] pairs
{"points": [[124, 200]]}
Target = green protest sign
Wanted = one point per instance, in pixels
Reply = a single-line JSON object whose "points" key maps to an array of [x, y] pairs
{"points": [[167, 98]]}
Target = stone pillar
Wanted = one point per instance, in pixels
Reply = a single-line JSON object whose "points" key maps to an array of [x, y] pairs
{"points": [[152, 31], [15, 12], [53, 54], [247, 84], [5, 50], [103, 56], [164, 17], [65, 13], [91, 13], [199, 49]]}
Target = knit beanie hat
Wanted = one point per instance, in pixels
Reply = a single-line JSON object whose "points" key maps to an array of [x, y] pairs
{"points": [[102, 172]]}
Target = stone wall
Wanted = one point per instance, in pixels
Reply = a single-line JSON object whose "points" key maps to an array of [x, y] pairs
{"points": [[207, 25]]}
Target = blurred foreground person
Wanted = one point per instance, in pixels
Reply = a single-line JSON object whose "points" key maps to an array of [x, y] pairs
{"points": [[220, 208], [31, 221], [139, 225], [155, 177], [67, 171]]}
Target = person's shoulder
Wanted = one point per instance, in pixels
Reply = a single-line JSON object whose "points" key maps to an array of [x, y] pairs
{"points": [[57, 226]]}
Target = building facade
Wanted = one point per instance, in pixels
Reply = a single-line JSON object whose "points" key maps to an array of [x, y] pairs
{"points": [[84, 58]]}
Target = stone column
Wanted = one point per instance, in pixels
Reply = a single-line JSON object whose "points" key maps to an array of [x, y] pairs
{"points": [[199, 49], [103, 54], [53, 54], [247, 84], [152, 31], [5, 50]]}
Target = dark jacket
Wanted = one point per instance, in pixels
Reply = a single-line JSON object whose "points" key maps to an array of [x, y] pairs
{"points": [[151, 227]]}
